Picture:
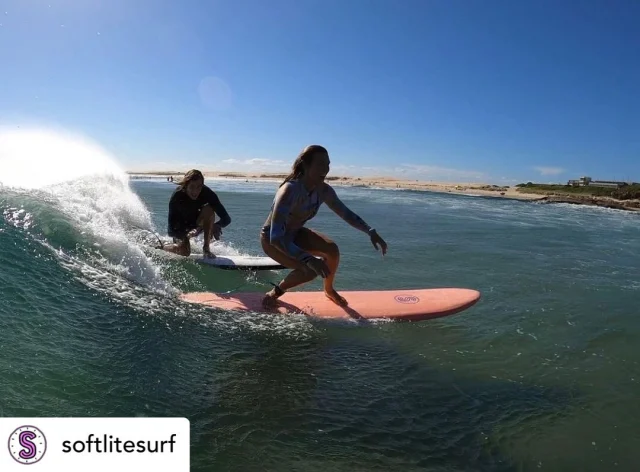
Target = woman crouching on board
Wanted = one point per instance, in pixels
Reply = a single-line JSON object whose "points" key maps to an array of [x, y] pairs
{"points": [[192, 210], [284, 237]]}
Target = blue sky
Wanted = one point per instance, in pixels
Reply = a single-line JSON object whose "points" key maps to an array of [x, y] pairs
{"points": [[436, 90]]}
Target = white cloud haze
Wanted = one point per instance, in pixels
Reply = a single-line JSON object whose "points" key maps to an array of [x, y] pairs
{"points": [[549, 170]]}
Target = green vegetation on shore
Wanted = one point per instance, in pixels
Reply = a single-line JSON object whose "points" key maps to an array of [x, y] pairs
{"points": [[233, 174], [627, 192]]}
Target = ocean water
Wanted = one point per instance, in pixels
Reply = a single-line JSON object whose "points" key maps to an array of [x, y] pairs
{"points": [[541, 374]]}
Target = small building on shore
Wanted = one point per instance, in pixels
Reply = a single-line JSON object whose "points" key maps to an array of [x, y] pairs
{"points": [[587, 181]]}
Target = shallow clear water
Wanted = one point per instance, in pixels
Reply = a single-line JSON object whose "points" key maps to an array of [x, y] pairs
{"points": [[541, 373]]}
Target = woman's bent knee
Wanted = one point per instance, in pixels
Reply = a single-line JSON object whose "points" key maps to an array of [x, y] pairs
{"points": [[289, 262], [333, 249], [266, 245]]}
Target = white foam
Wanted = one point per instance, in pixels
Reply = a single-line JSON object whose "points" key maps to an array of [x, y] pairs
{"points": [[36, 158], [85, 183]]}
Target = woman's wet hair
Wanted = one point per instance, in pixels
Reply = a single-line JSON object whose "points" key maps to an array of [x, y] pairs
{"points": [[304, 159], [190, 176]]}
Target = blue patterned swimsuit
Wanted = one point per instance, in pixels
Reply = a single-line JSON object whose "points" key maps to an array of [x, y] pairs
{"points": [[293, 206]]}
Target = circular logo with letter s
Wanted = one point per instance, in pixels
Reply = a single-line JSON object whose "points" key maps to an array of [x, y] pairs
{"points": [[27, 445], [409, 299]]}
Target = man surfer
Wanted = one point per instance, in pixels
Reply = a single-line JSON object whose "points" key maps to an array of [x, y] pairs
{"points": [[192, 210], [284, 237]]}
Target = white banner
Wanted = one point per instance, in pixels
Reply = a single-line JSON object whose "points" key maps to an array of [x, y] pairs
{"points": [[94, 444]]}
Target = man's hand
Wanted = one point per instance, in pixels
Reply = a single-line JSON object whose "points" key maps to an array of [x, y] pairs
{"points": [[194, 233]]}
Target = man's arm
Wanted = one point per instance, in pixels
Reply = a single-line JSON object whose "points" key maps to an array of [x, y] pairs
{"points": [[340, 209], [282, 205], [219, 208]]}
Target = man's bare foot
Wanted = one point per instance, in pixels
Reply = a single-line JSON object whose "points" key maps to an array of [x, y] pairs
{"points": [[336, 298], [207, 253]]}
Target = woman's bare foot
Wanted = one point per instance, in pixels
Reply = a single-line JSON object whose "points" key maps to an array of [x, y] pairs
{"points": [[335, 297], [271, 297]]}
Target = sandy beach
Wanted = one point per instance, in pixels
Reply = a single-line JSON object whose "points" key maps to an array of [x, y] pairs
{"points": [[471, 189], [475, 189]]}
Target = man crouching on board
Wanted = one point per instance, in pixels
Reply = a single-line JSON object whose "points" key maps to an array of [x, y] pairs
{"points": [[192, 210]]}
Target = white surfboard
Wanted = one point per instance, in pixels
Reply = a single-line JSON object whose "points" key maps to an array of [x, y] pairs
{"points": [[237, 262], [227, 261]]}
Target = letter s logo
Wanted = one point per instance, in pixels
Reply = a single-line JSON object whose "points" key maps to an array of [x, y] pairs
{"points": [[27, 445], [29, 451]]}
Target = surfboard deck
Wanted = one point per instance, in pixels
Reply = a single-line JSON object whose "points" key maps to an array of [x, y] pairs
{"points": [[229, 262], [400, 305], [236, 262]]}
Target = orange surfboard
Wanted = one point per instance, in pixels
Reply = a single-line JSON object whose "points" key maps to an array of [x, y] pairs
{"points": [[405, 305]]}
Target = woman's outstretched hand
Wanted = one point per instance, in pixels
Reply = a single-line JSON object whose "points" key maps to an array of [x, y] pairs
{"points": [[377, 240]]}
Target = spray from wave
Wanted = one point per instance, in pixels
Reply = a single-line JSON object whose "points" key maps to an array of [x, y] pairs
{"points": [[72, 196], [34, 159]]}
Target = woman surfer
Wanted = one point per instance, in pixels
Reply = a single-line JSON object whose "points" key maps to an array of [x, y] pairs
{"points": [[284, 237]]}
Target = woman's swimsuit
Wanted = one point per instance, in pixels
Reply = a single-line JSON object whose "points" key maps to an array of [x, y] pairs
{"points": [[293, 206]]}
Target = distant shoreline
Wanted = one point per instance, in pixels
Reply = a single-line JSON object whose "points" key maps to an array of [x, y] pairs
{"points": [[472, 189], [469, 189]]}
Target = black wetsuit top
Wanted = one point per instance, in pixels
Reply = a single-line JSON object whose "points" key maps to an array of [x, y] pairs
{"points": [[184, 211]]}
